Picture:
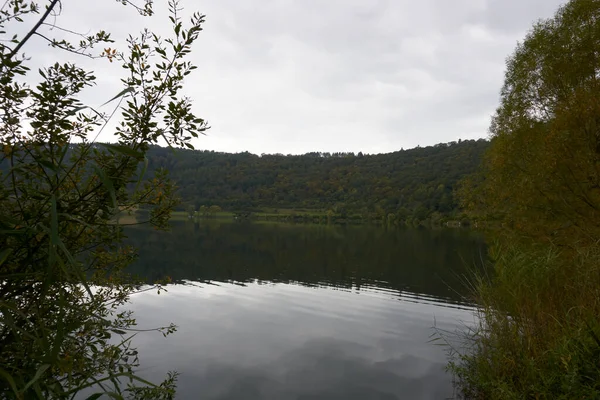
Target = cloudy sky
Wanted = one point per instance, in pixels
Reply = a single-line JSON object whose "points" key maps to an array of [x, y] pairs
{"points": [[293, 76]]}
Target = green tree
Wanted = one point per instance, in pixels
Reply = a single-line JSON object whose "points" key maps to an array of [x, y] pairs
{"points": [[542, 172], [391, 219], [62, 286], [214, 209], [423, 176], [191, 211], [202, 211]]}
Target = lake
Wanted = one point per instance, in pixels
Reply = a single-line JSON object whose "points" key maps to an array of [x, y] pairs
{"points": [[278, 311]]}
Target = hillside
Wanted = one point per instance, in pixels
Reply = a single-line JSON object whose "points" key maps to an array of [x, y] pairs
{"points": [[412, 184]]}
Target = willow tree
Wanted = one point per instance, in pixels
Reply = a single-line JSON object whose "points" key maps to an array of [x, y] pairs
{"points": [[63, 327], [542, 172]]}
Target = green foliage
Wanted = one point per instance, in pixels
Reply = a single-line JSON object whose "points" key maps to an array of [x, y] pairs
{"points": [[63, 326], [542, 173], [538, 327], [538, 332], [414, 183]]}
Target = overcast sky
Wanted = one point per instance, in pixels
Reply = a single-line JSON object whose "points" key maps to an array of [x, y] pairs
{"points": [[293, 76]]}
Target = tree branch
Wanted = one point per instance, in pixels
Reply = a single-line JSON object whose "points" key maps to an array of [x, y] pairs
{"points": [[56, 44], [34, 29]]}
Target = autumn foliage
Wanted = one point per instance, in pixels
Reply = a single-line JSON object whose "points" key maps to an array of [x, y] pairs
{"points": [[542, 173]]}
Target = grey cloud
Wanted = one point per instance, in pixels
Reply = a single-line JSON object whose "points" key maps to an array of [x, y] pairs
{"points": [[342, 75], [517, 16]]}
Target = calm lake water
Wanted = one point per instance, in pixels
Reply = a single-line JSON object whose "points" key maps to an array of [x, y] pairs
{"points": [[302, 311]]}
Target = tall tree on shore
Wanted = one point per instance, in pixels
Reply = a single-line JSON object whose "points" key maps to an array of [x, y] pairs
{"points": [[542, 172]]}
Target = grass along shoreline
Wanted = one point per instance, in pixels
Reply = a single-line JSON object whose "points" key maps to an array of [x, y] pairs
{"points": [[538, 335]]}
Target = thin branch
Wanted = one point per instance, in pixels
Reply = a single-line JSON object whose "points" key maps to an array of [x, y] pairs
{"points": [[13, 16], [141, 10], [4, 5], [34, 29], [52, 26], [74, 51]]}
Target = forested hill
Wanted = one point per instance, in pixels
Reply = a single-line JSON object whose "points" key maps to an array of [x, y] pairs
{"points": [[413, 183]]}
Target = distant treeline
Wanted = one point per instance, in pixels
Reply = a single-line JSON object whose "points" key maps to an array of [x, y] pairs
{"points": [[407, 185]]}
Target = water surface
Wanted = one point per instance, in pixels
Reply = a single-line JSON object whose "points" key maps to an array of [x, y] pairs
{"points": [[303, 312]]}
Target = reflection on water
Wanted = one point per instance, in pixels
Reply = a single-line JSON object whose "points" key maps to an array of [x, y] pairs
{"points": [[303, 312], [430, 262]]}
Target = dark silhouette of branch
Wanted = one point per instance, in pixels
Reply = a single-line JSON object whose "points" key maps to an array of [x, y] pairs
{"points": [[54, 26], [34, 29], [56, 44]]}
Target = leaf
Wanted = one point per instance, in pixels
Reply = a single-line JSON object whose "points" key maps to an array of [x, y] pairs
{"points": [[121, 94], [78, 272], [48, 165], [109, 185], [144, 168], [53, 233], [37, 376], [4, 255], [7, 377], [76, 110]]}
